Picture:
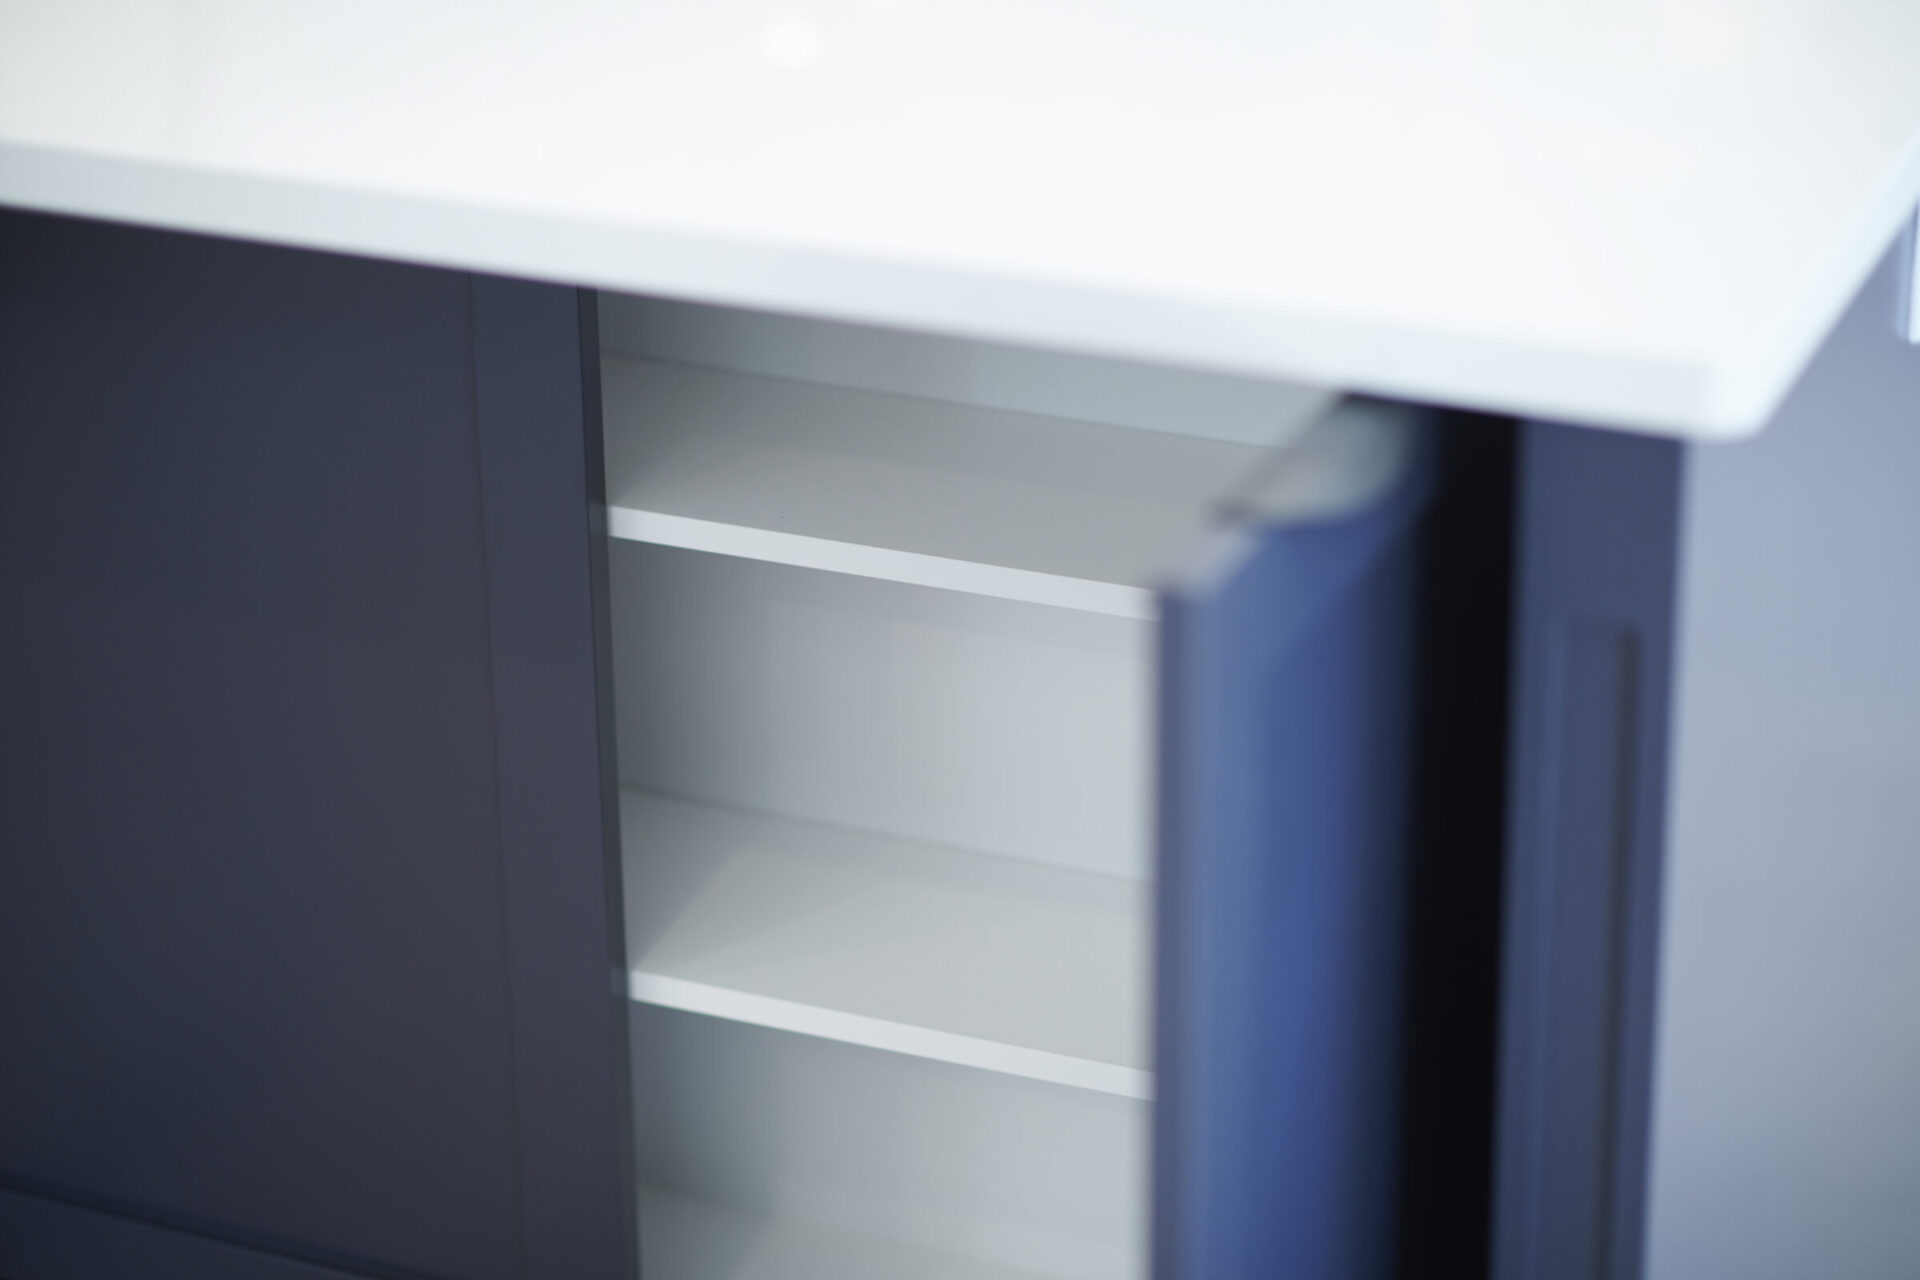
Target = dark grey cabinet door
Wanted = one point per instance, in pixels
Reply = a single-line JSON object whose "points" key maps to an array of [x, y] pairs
{"points": [[309, 954]]}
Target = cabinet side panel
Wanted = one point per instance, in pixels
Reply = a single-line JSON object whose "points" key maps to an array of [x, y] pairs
{"points": [[1786, 1139]]}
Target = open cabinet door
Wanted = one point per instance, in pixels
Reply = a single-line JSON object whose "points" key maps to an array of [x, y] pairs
{"points": [[1285, 690]]}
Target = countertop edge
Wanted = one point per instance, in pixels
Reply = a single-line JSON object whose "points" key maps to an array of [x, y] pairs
{"points": [[1718, 396]]}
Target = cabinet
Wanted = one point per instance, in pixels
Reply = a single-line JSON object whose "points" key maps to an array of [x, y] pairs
{"points": [[885, 670], [463, 792], [299, 603]]}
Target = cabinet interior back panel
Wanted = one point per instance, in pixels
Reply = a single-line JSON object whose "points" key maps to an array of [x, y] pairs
{"points": [[1024, 492], [1012, 965], [883, 671], [969, 371], [961, 720], [1009, 1171]]}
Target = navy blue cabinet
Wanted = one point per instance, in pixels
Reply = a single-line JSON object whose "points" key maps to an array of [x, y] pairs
{"points": [[439, 826], [308, 889]]}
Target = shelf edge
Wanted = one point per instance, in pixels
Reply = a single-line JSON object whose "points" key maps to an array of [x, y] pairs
{"points": [[895, 1037], [916, 568]]}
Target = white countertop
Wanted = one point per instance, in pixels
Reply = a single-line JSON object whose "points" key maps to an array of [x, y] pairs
{"points": [[1643, 213]]}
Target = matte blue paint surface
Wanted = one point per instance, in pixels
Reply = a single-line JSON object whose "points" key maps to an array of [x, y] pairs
{"points": [[1597, 526], [1284, 796]]}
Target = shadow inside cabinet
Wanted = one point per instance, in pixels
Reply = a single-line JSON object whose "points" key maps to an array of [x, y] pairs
{"points": [[1459, 841]]}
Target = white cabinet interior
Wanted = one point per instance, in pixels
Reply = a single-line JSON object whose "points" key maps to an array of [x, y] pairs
{"points": [[883, 644]]}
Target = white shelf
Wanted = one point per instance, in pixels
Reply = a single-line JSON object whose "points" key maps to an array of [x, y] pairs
{"points": [[1021, 506], [984, 961], [682, 1238]]}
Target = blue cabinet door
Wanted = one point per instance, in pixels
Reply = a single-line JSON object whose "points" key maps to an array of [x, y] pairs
{"points": [[1286, 713]]}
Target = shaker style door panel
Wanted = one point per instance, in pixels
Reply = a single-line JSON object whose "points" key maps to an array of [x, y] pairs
{"points": [[1598, 518], [307, 890]]}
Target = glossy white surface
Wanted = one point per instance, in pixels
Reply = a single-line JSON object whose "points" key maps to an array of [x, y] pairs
{"points": [[967, 958], [1643, 213]]}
